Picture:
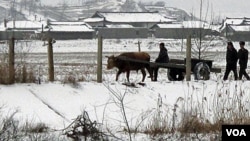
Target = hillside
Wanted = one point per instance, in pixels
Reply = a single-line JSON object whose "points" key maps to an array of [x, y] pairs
{"points": [[24, 10]]}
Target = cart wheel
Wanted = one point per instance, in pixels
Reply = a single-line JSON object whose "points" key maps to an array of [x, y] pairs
{"points": [[175, 75], [201, 71]]}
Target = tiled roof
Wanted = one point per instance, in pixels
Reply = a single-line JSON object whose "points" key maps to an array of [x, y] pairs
{"points": [[132, 17]]}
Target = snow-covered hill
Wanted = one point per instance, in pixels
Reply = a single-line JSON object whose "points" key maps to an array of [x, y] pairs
{"points": [[69, 11]]}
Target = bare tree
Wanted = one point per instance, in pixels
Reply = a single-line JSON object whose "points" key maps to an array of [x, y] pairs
{"points": [[119, 99], [64, 7], [201, 44]]}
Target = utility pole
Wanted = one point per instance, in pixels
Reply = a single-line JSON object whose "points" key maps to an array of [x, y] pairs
{"points": [[188, 59], [99, 60], [50, 60], [11, 60], [200, 30]]}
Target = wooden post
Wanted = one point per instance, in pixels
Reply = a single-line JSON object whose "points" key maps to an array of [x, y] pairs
{"points": [[11, 61], [99, 60], [50, 60], [188, 59], [139, 46]]}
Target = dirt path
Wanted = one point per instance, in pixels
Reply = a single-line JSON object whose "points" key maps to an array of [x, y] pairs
{"points": [[49, 106]]}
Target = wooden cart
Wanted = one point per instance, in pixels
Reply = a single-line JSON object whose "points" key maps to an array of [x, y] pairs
{"points": [[177, 69]]}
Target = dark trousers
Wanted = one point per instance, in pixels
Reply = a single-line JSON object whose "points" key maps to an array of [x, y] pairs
{"points": [[243, 72], [155, 73], [228, 70]]}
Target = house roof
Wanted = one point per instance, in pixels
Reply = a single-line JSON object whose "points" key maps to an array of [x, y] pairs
{"points": [[65, 23], [132, 17], [195, 24], [69, 27], [164, 25], [97, 19], [119, 26], [185, 24], [24, 24], [240, 28], [234, 21]]}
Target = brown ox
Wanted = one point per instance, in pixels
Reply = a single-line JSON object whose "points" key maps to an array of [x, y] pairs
{"points": [[130, 61]]}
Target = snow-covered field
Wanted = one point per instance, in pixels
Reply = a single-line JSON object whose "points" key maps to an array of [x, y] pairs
{"points": [[57, 104]]}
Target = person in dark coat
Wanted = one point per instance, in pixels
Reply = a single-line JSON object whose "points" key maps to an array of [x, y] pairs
{"points": [[231, 61], [243, 59], [162, 58]]}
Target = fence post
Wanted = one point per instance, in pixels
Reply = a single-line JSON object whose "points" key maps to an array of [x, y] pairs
{"points": [[99, 60], [188, 59], [11, 61], [139, 46], [50, 60]]}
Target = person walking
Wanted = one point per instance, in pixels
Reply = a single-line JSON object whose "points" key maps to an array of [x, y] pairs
{"points": [[243, 59], [162, 58], [231, 61]]}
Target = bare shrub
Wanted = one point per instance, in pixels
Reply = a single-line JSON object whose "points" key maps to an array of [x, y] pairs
{"points": [[9, 128], [119, 100], [76, 73], [231, 105], [39, 132], [44, 137], [158, 123], [193, 124], [4, 73], [82, 126], [24, 75], [35, 128], [71, 79]]}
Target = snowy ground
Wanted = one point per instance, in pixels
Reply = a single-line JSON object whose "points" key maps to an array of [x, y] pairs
{"points": [[57, 104]]}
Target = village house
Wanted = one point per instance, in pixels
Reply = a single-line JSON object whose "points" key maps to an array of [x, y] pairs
{"points": [[181, 30], [67, 30], [19, 29], [125, 24], [236, 29]]}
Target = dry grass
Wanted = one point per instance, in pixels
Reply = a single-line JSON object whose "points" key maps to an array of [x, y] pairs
{"points": [[193, 116]]}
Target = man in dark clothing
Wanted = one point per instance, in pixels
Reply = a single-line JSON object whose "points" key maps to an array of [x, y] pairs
{"points": [[231, 59], [162, 58], [243, 59]]}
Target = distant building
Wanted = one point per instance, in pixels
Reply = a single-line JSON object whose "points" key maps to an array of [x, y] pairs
{"points": [[19, 29], [181, 30], [68, 30], [125, 24], [36, 30], [236, 29], [136, 19]]}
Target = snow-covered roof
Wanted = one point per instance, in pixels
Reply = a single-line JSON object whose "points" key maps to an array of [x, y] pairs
{"points": [[170, 25], [24, 24], [195, 24], [66, 23], [132, 17], [65, 28], [120, 26], [96, 19], [240, 28], [185, 24], [69, 27], [234, 21], [2, 28]]}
